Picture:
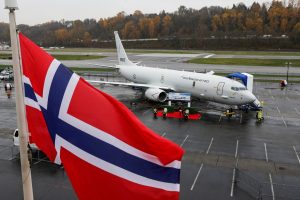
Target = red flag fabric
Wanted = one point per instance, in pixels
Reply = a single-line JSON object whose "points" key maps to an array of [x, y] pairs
{"points": [[106, 151]]}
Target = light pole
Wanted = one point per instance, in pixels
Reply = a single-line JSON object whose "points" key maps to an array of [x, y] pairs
{"points": [[12, 5], [287, 71]]}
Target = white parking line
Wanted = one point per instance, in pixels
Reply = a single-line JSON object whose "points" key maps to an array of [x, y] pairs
{"points": [[278, 110], [236, 148], [272, 188], [208, 56], [233, 182], [211, 141], [197, 177], [297, 111], [233, 177], [296, 154], [184, 140], [287, 98], [146, 111], [164, 134], [266, 152], [284, 121], [207, 151]]}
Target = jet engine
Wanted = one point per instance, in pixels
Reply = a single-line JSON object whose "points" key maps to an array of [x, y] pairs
{"points": [[156, 94]]}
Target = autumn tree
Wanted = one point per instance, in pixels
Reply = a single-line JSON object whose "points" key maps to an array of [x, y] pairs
{"points": [[296, 32], [275, 16], [186, 23], [216, 23], [130, 31], [77, 31], [166, 25], [62, 35], [254, 20]]}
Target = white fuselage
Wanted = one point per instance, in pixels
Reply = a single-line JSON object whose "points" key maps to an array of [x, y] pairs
{"points": [[204, 86]]}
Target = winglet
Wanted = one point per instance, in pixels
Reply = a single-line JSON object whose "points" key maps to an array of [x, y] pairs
{"points": [[122, 56]]}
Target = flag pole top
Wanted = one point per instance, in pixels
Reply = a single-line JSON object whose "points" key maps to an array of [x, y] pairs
{"points": [[11, 4]]}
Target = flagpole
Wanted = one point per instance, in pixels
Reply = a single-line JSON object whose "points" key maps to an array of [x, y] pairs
{"points": [[20, 106]]}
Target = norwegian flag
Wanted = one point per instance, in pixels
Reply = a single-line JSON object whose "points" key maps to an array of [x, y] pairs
{"points": [[106, 151]]}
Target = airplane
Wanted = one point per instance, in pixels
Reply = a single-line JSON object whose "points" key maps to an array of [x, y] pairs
{"points": [[157, 82]]}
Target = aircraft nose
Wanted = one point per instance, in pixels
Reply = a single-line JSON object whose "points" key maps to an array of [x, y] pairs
{"points": [[249, 97]]}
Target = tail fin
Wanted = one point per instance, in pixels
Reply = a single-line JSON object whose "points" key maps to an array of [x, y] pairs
{"points": [[122, 56]]}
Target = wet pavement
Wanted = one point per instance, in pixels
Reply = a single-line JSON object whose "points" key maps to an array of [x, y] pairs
{"points": [[179, 62], [263, 158]]}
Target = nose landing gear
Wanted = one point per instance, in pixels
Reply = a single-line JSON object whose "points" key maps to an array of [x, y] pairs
{"points": [[229, 113]]}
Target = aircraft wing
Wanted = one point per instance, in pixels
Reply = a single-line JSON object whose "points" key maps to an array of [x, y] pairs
{"points": [[131, 84]]}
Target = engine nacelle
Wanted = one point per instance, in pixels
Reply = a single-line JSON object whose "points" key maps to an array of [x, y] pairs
{"points": [[156, 94]]}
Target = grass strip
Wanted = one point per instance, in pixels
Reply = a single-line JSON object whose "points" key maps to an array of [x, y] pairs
{"points": [[141, 51], [77, 57], [81, 69], [265, 75], [6, 56], [4, 67], [245, 62], [256, 53], [61, 57]]}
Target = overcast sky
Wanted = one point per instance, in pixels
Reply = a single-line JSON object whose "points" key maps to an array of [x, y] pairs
{"points": [[39, 11]]}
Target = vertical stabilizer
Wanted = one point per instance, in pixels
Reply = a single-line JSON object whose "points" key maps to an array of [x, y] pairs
{"points": [[122, 56], [249, 84]]}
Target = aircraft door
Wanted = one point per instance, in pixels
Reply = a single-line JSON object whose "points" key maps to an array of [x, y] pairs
{"points": [[220, 88]]}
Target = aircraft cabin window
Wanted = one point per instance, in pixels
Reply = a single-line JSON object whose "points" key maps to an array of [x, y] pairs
{"points": [[194, 83]]}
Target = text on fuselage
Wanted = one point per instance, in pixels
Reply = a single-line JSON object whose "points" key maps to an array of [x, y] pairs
{"points": [[195, 79]]}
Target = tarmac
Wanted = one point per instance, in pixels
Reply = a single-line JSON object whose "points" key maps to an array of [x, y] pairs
{"points": [[224, 158], [179, 62]]}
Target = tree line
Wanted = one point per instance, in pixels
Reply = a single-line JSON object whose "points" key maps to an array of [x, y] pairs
{"points": [[256, 21]]}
